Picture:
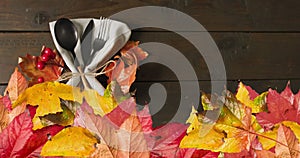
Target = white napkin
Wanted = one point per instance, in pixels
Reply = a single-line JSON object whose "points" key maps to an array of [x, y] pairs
{"points": [[119, 34]]}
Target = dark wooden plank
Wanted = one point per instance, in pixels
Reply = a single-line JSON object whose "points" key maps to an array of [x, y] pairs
{"points": [[246, 55], [215, 15], [2, 89], [164, 112]]}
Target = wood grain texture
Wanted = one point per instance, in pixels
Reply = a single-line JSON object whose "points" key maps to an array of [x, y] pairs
{"points": [[214, 15], [245, 55]]}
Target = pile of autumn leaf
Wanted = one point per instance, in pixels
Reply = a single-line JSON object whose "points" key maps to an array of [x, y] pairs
{"points": [[55, 119]]}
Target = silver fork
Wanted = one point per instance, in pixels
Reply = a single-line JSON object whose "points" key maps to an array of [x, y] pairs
{"points": [[102, 37]]}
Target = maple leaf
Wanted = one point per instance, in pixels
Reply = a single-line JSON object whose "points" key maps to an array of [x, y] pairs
{"points": [[233, 132], [290, 146], [281, 107], [125, 68], [250, 98], [6, 114], [100, 104], [19, 140], [72, 141], [120, 131], [51, 72], [163, 141], [47, 97], [16, 85], [284, 137]]}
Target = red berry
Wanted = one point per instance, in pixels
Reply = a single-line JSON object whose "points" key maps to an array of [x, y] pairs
{"points": [[40, 79], [48, 51], [45, 57], [40, 65]]}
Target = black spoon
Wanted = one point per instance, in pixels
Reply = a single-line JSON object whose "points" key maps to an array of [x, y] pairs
{"points": [[66, 34]]}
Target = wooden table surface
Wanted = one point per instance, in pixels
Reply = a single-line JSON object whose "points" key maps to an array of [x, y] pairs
{"points": [[259, 40]]}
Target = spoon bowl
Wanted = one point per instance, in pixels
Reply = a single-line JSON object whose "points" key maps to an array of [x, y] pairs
{"points": [[66, 34]]}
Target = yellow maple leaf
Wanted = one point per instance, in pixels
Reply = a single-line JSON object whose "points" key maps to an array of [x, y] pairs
{"points": [[100, 104], [233, 132], [194, 138], [221, 137], [47, 97], [257, 105], [72, 141], [37, 123]]}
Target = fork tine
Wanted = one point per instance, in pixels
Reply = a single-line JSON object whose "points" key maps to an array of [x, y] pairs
{"points": [[107, 29], [103, 35], [103, 29], [100, 26]]}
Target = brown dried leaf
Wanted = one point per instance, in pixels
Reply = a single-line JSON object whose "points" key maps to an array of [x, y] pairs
{"points": [[16, 85], [126, 66], [290, 147]]}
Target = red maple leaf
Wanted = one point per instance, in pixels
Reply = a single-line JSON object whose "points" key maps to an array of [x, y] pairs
{"points": [[281, 107], [19, 140], [252, 93]]}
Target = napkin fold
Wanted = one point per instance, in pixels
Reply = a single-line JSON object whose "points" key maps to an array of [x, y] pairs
{"points": [[118, 33]]}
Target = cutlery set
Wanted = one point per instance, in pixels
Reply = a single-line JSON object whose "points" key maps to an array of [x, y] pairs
{"points": [[67, 37], [86, 45]]}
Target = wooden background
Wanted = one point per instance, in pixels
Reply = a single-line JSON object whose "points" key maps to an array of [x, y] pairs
{"points": [[258, 39]]}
